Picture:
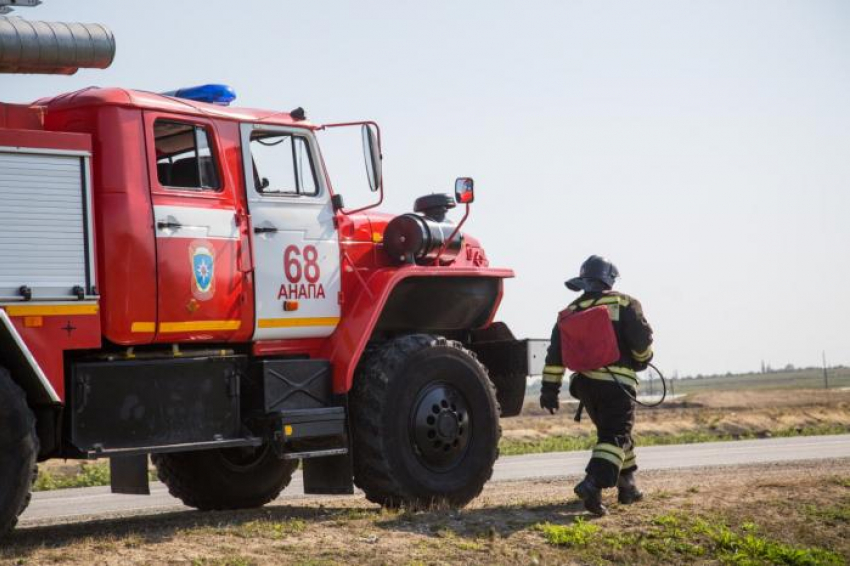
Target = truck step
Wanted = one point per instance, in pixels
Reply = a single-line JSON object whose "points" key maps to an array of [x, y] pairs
{"points": [[315, 454], [310, 423], [99, 452]]}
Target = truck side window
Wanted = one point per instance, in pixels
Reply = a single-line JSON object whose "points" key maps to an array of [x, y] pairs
{"points": [[283, 165], [184, 156]]}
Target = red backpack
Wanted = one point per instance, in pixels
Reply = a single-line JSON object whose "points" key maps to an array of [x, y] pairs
{"points": [[588, 339]]}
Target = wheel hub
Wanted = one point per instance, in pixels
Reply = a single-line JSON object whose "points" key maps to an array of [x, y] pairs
{"points": [[448, 425], [441, 426]]}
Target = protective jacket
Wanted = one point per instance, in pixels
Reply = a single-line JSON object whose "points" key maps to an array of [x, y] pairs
{"points": [[609, 407], [634, 339]]}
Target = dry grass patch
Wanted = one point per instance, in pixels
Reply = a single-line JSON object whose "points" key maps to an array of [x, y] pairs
{"points": [[789, 513]]}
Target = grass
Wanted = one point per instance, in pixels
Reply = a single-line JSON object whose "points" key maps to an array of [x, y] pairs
{"points": [[89, 474], [275, 530], [577, 535], [807, 378], [790, 514], [811, 378], [838, 515], [569, 443], [675, 539], [226, 561], [748, 548]]}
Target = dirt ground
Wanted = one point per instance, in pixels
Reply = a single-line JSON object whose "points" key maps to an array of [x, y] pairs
{"points": [[746, 412], [797, 512]]}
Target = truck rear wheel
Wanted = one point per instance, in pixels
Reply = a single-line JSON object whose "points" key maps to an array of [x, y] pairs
{"points": [[425, 423], [231, 478], [18, 452]]}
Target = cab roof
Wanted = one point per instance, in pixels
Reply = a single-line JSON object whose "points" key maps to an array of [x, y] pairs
{"points": [[94, 96]]}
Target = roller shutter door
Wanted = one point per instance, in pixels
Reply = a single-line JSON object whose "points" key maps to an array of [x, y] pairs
{"points": [[42, 224]]}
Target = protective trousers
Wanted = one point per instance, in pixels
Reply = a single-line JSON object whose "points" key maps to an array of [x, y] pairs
{"points": [[613, 414]]}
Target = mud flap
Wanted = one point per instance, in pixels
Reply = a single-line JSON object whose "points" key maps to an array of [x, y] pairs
{"points": [[509, 362], [129, 474], [510, 392], [333, 475]]}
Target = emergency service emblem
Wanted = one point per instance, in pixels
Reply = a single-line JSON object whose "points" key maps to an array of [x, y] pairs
{"points": [[202, 258]]}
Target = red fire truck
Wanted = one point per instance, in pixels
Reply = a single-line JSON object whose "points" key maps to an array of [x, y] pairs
{"points": [[179, 280]]}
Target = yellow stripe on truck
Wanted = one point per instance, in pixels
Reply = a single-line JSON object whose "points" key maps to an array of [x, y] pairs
{"points": [[51, 310], [297, 322], [140, 327], [199, 326]]}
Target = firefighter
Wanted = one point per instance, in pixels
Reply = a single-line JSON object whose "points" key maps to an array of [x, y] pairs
{"points": [[608, 404]]}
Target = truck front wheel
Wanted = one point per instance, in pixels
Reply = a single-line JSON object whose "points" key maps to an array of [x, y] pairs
{"points": [[18, 452], [231, 478], [425, 423]]}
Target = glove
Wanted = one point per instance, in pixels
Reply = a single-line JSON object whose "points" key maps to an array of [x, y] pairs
{"points": [[549, 396]]}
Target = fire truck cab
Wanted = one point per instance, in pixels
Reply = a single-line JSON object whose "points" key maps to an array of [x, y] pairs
{"points": [[201, 258]]}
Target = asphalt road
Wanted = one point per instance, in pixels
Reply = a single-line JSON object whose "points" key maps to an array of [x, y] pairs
{"points": [[73, 505]]}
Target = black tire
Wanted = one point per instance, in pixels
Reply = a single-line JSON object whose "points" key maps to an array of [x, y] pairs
{"points": [[400, 454], [231, 478], [18, 452]]}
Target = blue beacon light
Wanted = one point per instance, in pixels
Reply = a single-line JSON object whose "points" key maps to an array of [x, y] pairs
{"points": [[219, 94]]}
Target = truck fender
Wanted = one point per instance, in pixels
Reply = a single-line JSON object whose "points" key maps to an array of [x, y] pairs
{"points": [[17, 358], [346, 345]]}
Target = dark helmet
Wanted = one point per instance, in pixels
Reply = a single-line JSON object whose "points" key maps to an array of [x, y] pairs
{"points": [[597, 274]]}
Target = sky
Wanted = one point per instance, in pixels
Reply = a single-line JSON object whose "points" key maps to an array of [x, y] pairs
{"points": [[704, 147]]}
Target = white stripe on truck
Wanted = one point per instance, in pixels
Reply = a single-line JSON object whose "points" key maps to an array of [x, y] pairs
{"points": [[195, 222]]}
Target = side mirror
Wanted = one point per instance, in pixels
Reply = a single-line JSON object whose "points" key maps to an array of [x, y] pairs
{"points": [[464, 190], [372, 156]]}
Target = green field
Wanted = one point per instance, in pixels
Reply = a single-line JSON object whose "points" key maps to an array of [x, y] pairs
{"points": [[810, 378]]}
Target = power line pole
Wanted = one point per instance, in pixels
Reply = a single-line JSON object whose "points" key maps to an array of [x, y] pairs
{"points": [[825, 373]]}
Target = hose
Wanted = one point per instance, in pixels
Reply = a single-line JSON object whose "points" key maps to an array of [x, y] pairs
{"points": [[634, 397]]}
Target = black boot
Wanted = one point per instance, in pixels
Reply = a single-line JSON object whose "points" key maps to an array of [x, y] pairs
{"points": [[627, 489], [591, 496]]}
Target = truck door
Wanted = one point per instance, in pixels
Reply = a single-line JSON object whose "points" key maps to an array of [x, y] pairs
{"points": [[294, 238], [199, 285]]}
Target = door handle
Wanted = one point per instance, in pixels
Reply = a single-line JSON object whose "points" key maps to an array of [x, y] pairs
{"points": [[168, 225], [265, 230]]}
